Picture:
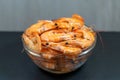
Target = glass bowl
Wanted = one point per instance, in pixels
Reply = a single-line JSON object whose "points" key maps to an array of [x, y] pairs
{"points": [[59, 64]]}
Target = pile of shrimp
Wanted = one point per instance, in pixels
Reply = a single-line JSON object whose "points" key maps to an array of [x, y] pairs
{"points": [[67, 36]]}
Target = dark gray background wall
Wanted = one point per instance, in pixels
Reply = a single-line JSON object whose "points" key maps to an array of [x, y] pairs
{"points": [[17, 15]]}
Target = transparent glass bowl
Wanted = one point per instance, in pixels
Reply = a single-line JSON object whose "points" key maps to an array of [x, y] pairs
{"points": [[60, 64]]}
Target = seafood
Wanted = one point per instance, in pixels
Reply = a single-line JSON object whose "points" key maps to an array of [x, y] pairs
{"points": [[46, 53], [33, 43], [56, 40], [57, 35], [69, 23], [59, 32], [40, 27], [64, 49]]}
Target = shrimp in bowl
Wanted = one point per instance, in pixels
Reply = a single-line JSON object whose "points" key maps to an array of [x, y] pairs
{"points": [[61, 45]]}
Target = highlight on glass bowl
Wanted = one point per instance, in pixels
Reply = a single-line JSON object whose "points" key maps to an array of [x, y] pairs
{"points": [[61, 45]]}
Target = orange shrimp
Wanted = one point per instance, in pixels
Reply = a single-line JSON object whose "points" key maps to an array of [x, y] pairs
{"points": [[76, 16], [48, 53], [70, 51], [87, 38], [65, 23], [80, 43], [57, 35], [75, 22], [40, 27], [33, 43]]}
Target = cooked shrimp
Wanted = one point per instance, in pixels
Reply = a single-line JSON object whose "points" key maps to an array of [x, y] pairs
{"points": [[80, 43], [76, 16], [27, 41], [70, 51], [57, 35], [87, 38], [33, 43], [75, 22], [64, 23], [40, 27], [48, 53]]}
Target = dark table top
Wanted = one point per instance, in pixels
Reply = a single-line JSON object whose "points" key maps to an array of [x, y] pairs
{"points": [[104, 64]]}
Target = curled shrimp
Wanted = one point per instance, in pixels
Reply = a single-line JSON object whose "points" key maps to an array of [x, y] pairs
{"points": [[87, 38], [75, 22], [57, 35], [69, 51], [83, 39], [40, 27], [48, 53], [80, 43], [65, 23], [33, 43], [76, 16]]}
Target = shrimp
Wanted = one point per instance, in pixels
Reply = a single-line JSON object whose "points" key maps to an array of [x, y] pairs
{"points": [[33, 43], [40, 27], [75, 22], [86, 39], [27, 41], [70, 51], [76, 16], [80, 43], [57, 35], [48, 53], [83, 38], [65, 23]]}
